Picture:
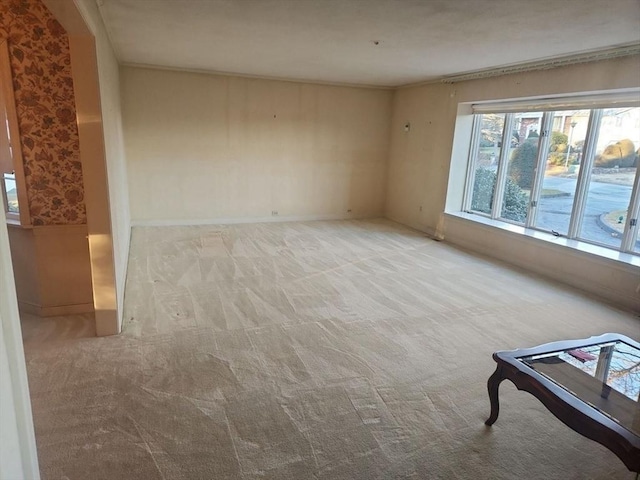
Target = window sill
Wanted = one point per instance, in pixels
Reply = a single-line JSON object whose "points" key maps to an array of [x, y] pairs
{"points": [[544, 237], [11, 222]]}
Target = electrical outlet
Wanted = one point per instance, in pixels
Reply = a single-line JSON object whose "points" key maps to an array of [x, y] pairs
{"points": [[274, 213], [349, 211], [420, 207]]}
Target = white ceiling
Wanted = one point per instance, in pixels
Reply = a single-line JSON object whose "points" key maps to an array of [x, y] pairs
{"points": [[333, 40]]}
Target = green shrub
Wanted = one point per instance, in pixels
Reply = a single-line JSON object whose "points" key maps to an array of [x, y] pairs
{"points": [[558, 149], [523, 161], [515, 203], [557, 158], [559, 138], [515, 200], [484, 185]]}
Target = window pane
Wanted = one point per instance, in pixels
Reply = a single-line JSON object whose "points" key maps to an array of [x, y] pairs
{"points": [[636, 245], [489, 147], [521, 167], [568, 132], [11, 193], [612, 176]]}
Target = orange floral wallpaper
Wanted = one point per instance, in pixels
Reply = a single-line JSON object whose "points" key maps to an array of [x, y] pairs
{"points": [[41, 67]]}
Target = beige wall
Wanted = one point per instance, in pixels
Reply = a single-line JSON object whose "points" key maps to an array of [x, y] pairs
{"points": [[419, 159], [207, 148], [425, 163], [52, 269], [605, 277]]}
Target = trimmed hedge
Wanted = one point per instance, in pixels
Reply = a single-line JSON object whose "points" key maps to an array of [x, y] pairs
{"points": [[620, 154]]}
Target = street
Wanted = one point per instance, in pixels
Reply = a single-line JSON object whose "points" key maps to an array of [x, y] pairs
{"points": [[554, 211]]}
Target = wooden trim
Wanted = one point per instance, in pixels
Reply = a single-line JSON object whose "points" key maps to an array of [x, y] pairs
{"points": [[39, 310], [49, 230]]}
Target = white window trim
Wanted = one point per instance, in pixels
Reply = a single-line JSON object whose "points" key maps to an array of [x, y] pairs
{"points": [[584, 176], [536, 187], [628, 98], [630, 236], [583, 181], [503, 163], [471, 171]]}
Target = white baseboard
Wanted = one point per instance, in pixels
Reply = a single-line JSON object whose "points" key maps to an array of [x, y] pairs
{"points": [[54, 310], [240, 220], [420, 227], [123, 281]]}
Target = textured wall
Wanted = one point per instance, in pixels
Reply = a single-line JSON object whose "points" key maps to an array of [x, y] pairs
{"points": [[207, 147], [41, 66]]}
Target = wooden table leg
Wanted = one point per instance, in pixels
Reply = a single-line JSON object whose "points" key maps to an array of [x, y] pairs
{"points": [[492, 385]]}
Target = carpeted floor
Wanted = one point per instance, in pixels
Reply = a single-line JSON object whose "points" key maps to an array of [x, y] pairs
{"points": [[322, 350]]}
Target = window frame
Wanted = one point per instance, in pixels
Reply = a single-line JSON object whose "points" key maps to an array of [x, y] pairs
{"points": [[595, 105]]}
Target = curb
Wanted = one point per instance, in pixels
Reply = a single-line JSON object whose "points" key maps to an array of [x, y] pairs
{"points": [[605, 226], [556, 195]]}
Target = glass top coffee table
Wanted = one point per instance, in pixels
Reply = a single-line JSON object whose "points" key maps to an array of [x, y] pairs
{"points": [[592, 385]]}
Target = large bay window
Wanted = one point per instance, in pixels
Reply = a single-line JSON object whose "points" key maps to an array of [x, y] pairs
{"points": [[567, 167]]}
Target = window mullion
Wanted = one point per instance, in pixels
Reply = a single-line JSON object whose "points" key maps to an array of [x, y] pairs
{"points": [[584, 174], [543, 151], [501, 175], [471, 166], [631, 225]]}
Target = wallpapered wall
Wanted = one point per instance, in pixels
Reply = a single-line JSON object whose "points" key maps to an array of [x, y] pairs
{"points": [[41, 67]]}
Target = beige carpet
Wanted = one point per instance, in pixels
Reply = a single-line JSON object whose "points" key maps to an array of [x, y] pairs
{"points": [[321, 350]]}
